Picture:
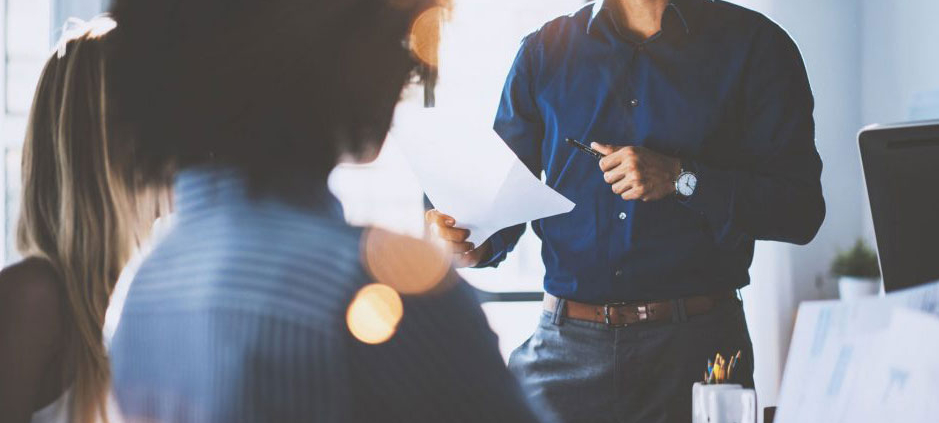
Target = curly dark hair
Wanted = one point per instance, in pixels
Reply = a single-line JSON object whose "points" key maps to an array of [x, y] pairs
{"points": [[280, 89]]}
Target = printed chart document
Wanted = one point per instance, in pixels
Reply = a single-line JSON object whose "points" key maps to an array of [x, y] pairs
{"points": [[470, 174], [900, 383], [869, 360]]}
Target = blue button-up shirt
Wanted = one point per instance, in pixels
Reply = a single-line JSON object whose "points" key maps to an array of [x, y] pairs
{"points": [[721, 87]]}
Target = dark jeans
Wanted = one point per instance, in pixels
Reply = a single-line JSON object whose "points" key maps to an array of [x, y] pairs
{"points": [[588, 372]]}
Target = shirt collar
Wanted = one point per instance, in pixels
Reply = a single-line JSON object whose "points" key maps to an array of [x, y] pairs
{"points": [[684, 12], [200, 188]]}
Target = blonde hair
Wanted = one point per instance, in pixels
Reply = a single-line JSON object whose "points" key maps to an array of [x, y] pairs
{"points": [[82, 209]]}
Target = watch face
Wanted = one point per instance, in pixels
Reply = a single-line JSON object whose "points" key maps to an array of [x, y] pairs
{"points": [[686, 184]]}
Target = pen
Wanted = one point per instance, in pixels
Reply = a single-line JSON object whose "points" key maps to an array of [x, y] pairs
{"points": [[730, 367], [734, 361], [586, 149]]}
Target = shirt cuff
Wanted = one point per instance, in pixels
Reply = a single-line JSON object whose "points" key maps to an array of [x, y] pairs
{"points": [[497, 252], [714, 197]]}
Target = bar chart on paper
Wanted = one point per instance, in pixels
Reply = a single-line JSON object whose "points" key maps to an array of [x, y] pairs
{"points": [[871, 360]]}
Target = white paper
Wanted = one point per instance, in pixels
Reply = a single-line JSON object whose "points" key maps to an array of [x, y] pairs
{"points": [[839, 347], [900, 382], [470, 174]]}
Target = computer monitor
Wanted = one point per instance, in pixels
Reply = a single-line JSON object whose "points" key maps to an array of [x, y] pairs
{"points": [[901, 169]]}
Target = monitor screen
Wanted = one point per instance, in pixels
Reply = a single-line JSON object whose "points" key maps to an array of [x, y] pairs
{"points": [[901, 169]]}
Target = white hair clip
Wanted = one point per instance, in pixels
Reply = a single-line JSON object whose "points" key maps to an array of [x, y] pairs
{"points": [[69, 28], [75, 27]]}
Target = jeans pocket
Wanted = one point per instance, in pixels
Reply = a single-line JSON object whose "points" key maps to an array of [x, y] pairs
{"points": [[518, 356], [513, 356]]}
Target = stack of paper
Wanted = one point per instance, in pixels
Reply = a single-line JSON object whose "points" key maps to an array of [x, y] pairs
{"points": [[871, 360], [470, 174]]}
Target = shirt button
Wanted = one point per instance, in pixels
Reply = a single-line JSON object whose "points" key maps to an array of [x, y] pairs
{"points": [[618, 272], [622, 216], [634, 102]]}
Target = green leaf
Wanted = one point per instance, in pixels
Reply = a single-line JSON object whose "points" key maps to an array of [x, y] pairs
{"points": [[860, 261]]}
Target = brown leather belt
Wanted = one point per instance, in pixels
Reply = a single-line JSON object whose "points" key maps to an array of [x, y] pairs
{"points": [[624, 314]]}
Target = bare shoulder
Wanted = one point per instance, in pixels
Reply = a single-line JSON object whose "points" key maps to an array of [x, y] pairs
{"points": [[410, 265], [31, 292]]}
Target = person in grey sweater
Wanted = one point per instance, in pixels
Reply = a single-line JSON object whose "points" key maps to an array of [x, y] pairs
{"points": [[261, 304]]}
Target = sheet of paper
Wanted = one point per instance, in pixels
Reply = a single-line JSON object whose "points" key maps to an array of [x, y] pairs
{"points": [[836, 345], [899, 379], [470, 174]]}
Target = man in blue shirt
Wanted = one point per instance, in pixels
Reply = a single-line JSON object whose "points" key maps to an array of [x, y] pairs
{"points": [[703, 111]]}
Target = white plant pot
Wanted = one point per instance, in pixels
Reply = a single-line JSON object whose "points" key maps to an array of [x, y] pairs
{"points": [[851, 287]]}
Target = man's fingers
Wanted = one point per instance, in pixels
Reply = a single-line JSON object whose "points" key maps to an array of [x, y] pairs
{"points": [[452, 234], [622, 186], [625, 158], [632, 194], [434, 216], [610, 162], [613, 176], [468, 259], [604, 149], [430, 216], [642, 192], [461, 247]]}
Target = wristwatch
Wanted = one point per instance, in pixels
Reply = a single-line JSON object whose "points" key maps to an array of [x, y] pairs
{"points": [[685, 184]]}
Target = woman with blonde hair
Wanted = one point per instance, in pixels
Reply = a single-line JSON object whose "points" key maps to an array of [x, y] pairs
{"points": [[81, 218]]}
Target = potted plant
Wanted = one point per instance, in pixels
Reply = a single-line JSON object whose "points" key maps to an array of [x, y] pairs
{"points": [[858, 271]]}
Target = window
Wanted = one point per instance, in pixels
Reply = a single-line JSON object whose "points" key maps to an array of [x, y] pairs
{"points": [[478, 45], [24, 46]]}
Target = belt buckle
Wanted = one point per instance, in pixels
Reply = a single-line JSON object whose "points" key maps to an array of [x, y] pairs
{"points": [[606, 313], [642, 313]]}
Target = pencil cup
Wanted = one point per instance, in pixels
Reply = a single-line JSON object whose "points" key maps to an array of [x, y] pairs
{"points": [[723, 403]]}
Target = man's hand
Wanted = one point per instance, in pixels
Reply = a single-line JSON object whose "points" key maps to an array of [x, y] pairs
{"points": [[444, 232], [637, 173]]}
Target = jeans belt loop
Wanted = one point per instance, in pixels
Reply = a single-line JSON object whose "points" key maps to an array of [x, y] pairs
{"points": [[558, 317], [680, 312]]}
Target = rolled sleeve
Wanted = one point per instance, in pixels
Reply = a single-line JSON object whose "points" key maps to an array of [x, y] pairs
{"points": [[777, 195], [499, 248]]}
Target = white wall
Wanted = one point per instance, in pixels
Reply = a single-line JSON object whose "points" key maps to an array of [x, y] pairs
{"points": [[900, 58]]}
